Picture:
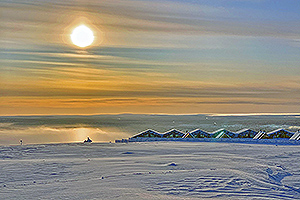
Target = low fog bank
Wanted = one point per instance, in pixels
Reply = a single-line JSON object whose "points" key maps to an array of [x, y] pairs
{"points": [[105, 128]]}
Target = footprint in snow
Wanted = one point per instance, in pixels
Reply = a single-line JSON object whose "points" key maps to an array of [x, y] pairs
{"points": [[277, 176], [128, 152], [172, 164]]}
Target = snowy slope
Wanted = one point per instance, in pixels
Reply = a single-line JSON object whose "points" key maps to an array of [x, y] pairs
{"points": [[154, 170]]}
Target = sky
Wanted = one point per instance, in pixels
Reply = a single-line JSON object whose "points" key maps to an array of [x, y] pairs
{"points": [[172, 57]]}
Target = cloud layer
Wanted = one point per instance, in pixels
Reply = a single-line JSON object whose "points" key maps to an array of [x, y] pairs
{"points": [[150, 56]]}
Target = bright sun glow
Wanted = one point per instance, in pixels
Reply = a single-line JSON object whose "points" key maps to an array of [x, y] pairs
{"points": [[82, 36]]}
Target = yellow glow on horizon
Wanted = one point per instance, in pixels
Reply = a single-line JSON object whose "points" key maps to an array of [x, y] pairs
{"points": [[81, 133], [82, 36]]}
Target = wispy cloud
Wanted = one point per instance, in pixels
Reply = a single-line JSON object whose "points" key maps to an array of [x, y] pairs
{"points": [[165, 54]]}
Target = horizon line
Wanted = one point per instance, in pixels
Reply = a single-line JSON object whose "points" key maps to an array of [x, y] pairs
{"points": [[185, 114]]}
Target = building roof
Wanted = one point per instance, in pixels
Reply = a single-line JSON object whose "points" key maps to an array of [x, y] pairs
{"points": [[278, 130], [296, 136], [173, 131], [223, 133], [244, 130], [146, 131], [199, 130], [260, 135], [188, 135]]}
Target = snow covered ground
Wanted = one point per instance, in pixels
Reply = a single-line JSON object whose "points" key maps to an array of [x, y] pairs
{"points": [[150, 170]]}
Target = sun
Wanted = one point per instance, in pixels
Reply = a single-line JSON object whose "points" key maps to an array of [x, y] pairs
{"points": [[82, 36]]}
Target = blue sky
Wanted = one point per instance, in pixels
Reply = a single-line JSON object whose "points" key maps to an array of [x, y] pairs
{"points": [[212, 56]]}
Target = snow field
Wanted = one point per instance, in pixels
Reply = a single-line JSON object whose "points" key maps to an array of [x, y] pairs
{"points": [[150, 170]]}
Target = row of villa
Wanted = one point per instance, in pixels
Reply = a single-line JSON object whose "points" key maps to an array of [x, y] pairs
{"points": [[221, 133]]}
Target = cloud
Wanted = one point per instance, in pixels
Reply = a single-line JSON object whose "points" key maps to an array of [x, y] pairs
{"points": [[124, 21], [161, 53]]}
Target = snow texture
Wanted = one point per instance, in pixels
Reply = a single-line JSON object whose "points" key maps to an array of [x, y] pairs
{"points": [[150, 170]]}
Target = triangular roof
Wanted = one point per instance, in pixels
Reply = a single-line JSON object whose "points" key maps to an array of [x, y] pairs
{"points": [[200, 133], [243, 130], [222, 133], [198, 130], [217, 131], [173, 132], [246, 133], [147, 132], [278, 130], [188, 135], [280, 133], [296, 136], [261, 135]]}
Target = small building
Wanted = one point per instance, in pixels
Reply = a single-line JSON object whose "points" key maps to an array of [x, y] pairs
{"points": [[280, 133], [245, 133], [261, 135], [148, 134], [173, 134], [198, 133], [296, 136], [223, 133]]}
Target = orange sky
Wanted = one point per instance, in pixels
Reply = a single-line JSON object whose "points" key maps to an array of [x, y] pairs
{"points": [[149, 57]]}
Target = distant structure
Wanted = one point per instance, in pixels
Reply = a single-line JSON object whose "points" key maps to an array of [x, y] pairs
{"points": [[246, 133], [261, 135], [173, 134], [198, 133], [88, 140], [296, 136], [222, 133], [148, 133], [219, 134], [280, 133], [188, 135]]}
